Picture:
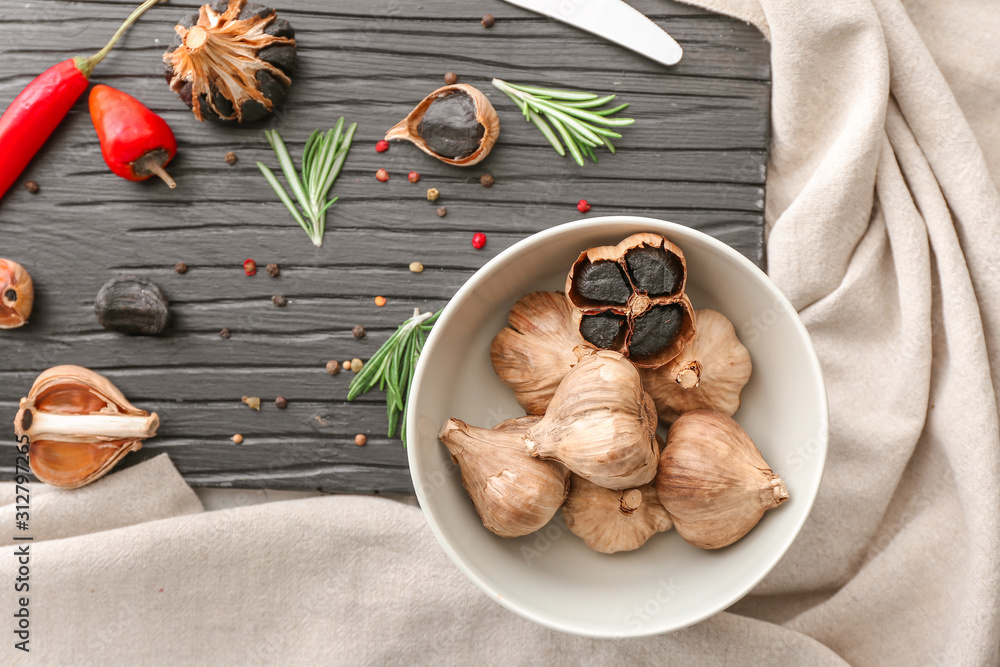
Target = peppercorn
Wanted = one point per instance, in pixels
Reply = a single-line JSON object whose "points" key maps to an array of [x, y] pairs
{"points": [[238, 439], [583, 206], [181, 268], [332, 367], [359, 331], [356, 365], [382, 175], [381, 146], [225, 334], [250, 267], [281, 403], [416, 267], [478, 240], [486, 180], [380, 301], [450, 78], [488, 21], [252, 402], [31, 186], [442, 211], [279, 301], [230, 158], [346, 365], [413, 177], [433, 194], [360, 439], [273, 270]]}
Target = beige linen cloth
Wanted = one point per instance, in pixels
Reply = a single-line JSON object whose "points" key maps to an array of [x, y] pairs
{"points": [[884, 226]]}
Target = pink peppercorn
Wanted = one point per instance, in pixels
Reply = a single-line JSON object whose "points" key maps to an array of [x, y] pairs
{"points": [[413, 177], [250, 267], [382, 175], [583, 206], [478, 240], [381, 146]]}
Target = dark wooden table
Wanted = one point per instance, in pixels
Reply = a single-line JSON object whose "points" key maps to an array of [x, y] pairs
{"points": [[696, 155]]}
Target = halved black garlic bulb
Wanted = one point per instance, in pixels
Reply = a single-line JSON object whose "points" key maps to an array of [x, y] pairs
{"points": [[630, 298], [132, 305], [231, 61], [456, 124]]}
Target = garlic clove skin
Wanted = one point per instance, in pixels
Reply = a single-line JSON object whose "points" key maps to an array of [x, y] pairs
{"points": [[408, 129], [713, 480], [709, 374], [610, 521], [17, 295], [600, 424], [79, 426], [513, 493], [539, 347]]}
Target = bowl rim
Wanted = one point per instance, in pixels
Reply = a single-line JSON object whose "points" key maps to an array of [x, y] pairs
{"points": [[540, 237]]}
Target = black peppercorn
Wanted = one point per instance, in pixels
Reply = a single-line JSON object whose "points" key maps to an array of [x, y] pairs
{"points": [[281, 403], [181, 268], [359, 331], [31, 186], [273, 270], [279, 301], [486, 180], [488, 21], [231, 158], [442, 211], [451, 78], [225, 334]]}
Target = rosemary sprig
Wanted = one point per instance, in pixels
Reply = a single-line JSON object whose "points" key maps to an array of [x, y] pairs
{"points": [[391, 368], [574, 115], [322, 159]]}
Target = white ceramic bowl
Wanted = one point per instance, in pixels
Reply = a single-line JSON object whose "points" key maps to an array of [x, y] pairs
{"points": [[551, 577]]}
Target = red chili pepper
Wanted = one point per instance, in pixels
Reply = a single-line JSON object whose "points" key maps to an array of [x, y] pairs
{"points": [[135, 142], [34, 114]]}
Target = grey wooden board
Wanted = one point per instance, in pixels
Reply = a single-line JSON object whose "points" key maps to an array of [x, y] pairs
{"points": [[696, 155]]}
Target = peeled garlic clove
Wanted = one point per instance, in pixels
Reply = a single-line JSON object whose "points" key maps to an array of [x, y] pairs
{"points": [[713, 480], [456, 124], [630, 298], [538, 349], [611, 521], [513, 493], [17, 295], [709, 374], [600, 424], [79, 426], [132, 305]]}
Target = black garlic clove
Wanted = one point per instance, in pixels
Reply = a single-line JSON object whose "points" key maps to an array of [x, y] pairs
{"points": [[654, 271], [603, 329], [656, 329], [603, 282], [132, 304]]}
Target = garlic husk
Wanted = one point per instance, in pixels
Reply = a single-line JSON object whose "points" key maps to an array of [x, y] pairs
{"points": [[610, 521], [17, 294], [408, 128], [513, 493], [713, 480], [79, 426], [539, 347], [600, 424], [709, 374]]}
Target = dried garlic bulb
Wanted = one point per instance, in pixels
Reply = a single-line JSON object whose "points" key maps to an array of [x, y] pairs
{"points": [[513, 493], [231, 61], [538, 349], [600, 424], [630, 298], [610, 521], [713, 480], [79, 426], [709, 374], [17, 295]]}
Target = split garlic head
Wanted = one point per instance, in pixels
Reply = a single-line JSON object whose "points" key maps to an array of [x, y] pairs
{"points": [[610, 521], [79, 426], [17, 295], [709, 374], [513, 493], [539, 347], [713, 480], [600, 424]]}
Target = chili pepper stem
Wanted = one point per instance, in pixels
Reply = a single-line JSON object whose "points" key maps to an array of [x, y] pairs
{"points": [[87, 65], [149, 164]]}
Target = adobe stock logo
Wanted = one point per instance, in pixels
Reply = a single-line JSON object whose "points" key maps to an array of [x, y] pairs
{"points": [[647, 611]]}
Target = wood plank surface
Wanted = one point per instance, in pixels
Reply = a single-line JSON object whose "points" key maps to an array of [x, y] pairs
{"points": [[696, 155]]}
